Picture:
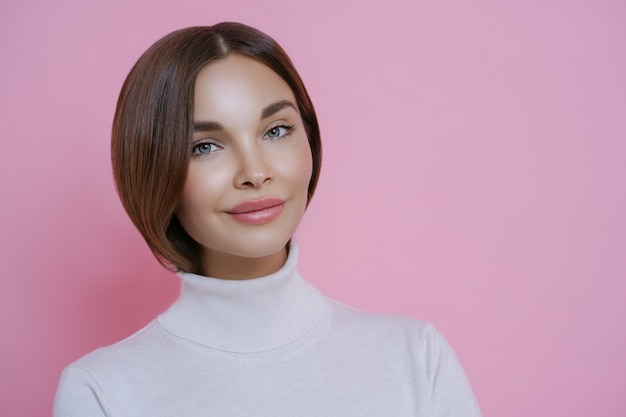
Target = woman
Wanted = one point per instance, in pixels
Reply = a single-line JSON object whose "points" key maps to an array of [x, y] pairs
{"points": [[216, 154]]}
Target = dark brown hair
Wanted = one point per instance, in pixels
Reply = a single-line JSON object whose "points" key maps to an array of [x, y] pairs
{"points": [[153, 126]]}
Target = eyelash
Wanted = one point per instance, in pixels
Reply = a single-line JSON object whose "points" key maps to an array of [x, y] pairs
{"points": [[288, 131], [196, 147]]}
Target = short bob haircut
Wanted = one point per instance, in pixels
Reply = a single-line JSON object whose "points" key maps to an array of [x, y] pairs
{"points": [[153, 127]]}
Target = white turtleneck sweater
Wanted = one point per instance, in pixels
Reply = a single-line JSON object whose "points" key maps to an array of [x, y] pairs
{"points": [[272, 346]]}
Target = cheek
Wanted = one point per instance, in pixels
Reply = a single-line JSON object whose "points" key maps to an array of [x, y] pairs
{"points": [[199, 193], [302, 166]]}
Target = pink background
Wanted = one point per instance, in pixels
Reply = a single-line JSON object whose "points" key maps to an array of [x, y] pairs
{"points": [[474, 177]]}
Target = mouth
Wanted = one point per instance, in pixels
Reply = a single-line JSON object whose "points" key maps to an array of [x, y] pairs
{"points": [[257, 211]]}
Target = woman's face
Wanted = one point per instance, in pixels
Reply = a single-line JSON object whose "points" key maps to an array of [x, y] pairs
{"points": [[246, 188]]}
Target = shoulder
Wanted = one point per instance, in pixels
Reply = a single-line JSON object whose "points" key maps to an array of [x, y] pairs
{"points": [[129, 351], [351, 316], [417, 334], [410, 347], [89, 383]]}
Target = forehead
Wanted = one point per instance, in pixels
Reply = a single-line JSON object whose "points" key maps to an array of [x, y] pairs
{"points": [[237, 86]]}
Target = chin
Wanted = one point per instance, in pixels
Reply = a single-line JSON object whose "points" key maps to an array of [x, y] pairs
{"points": [[252, 247]]}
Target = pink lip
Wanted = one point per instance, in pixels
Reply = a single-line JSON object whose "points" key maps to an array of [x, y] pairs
{"points": [[257, 211]]}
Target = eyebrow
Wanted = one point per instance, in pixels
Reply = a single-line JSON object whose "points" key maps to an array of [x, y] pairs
{"points": [[206, 126], [269, 110]]}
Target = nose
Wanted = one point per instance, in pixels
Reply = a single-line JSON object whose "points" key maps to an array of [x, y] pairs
{"points": [[255, 169]]}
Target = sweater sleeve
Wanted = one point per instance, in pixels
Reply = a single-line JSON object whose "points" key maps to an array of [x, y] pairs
{"points": [[79, 395], [451, 393]]}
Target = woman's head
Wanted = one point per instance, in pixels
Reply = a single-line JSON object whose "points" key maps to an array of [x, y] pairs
{"points": [[154, 126]]}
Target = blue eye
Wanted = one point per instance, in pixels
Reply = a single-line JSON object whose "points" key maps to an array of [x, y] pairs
{"points": [[204, 148], [279, 131]]}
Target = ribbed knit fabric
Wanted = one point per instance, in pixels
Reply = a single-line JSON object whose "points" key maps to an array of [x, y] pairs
{"points": [[245, 316], [272, 346]]}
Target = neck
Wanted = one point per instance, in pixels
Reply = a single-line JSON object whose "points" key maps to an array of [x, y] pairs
{"points": [[255, 315], [234, 267]]}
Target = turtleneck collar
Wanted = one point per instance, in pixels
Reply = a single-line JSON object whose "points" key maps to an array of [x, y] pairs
{"points": [[246, 316]]}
